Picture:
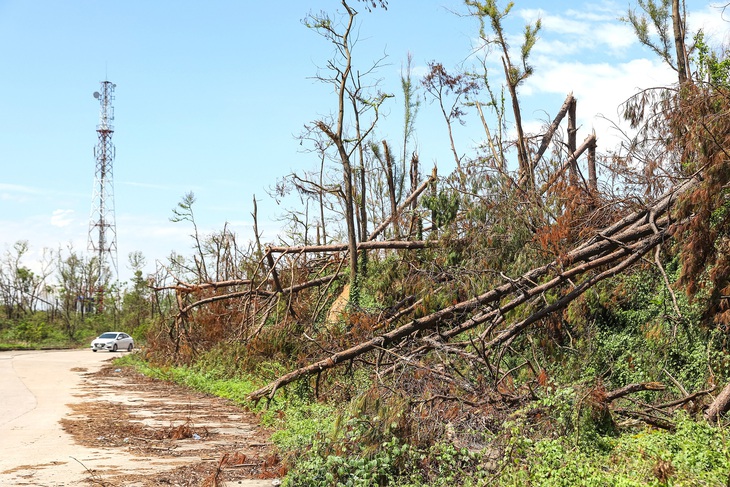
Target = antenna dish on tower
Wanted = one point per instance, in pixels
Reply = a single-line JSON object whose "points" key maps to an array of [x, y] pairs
{"points": [[97, 95]]}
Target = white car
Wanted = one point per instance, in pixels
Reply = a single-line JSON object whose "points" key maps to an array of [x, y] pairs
{"points": [[112, 341]]}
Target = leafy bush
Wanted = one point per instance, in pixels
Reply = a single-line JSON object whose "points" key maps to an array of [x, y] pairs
{"points": [[696, 454]]}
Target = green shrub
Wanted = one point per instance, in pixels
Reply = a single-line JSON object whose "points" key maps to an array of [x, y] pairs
{"points": [[695, 454]]}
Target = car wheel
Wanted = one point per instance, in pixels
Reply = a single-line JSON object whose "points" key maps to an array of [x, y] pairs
{"points": [[114, 348], [93, 350], [130, 347]]}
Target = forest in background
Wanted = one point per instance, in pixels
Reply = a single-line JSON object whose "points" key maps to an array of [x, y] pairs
{"points": [[545, 314]]}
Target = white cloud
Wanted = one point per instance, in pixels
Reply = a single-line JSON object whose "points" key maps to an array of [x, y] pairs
{"points": [[562, 25], [577, 31], [17, 192], [17, 188], [712, 23], [4, 196], [600, 89], [551, 47], [595, 13], [62, 218], [617, 36]]}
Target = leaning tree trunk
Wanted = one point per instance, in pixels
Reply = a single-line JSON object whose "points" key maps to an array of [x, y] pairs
{"points": [[719, 406], [610, 252]]}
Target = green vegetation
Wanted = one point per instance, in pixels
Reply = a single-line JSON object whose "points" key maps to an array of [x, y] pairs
{"points": [[363, 444], [695, 454], [37, 311], [32, 332]]}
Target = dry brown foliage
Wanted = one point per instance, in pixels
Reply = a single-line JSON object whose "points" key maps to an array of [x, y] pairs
{"points": [[704, 238]]}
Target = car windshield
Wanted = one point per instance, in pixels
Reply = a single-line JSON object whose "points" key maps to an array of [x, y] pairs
{"points": [[108, 335]]}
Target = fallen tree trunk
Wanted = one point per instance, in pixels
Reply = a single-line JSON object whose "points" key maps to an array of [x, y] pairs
{"points": [[631, 388], [369, 245], [258, 292], [615, 248], [720, 405], [435, 319], [646, 418], [189, 288]]}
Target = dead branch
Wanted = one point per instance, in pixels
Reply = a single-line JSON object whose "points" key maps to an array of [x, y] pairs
{"points": [[570, 161], [685, 399], [266, 294], [647, 418], [189, 288], [676, 383], [412, 197], [436, 344], [552, 128], [370, 245], [222, 297], [272, 270], [265, 316], [632, 388], [618, 247], [495, 155]]}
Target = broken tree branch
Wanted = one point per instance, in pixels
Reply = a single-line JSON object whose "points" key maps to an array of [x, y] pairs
{"points": [[632, 388], [552, 128], [617, 247], [403, 205], [388, 245]]}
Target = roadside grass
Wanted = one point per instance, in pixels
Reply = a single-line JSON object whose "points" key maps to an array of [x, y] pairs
{"points": [[354, 445], [52, 343], [203, 381]]}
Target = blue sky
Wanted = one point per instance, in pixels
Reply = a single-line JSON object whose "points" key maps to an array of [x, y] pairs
{"points": [[211, 95]]}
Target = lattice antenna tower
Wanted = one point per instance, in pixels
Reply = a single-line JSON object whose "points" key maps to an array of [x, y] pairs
{"points": [[102, 225]]}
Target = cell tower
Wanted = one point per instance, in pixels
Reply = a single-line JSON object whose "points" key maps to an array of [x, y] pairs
{"points": [[102, 225]]}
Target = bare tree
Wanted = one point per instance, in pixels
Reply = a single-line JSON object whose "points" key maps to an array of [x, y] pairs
{"points": [[387, 163], [22, 289], [77, 286], [352, 103]]}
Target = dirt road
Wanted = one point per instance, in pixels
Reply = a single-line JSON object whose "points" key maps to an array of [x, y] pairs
{"points": [[70, 418]]}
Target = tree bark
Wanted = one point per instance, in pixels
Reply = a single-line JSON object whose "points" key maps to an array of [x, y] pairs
{"points": [[572, 133], [526, 176], [408, 201], [678, 23], [631, 388], [369, 245], [552, 128], [416, 224], [390, 180], [571, 162], [592, 176], [719, 406]]}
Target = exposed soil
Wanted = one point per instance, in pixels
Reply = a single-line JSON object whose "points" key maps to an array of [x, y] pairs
{"points": [[180, 437]]}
